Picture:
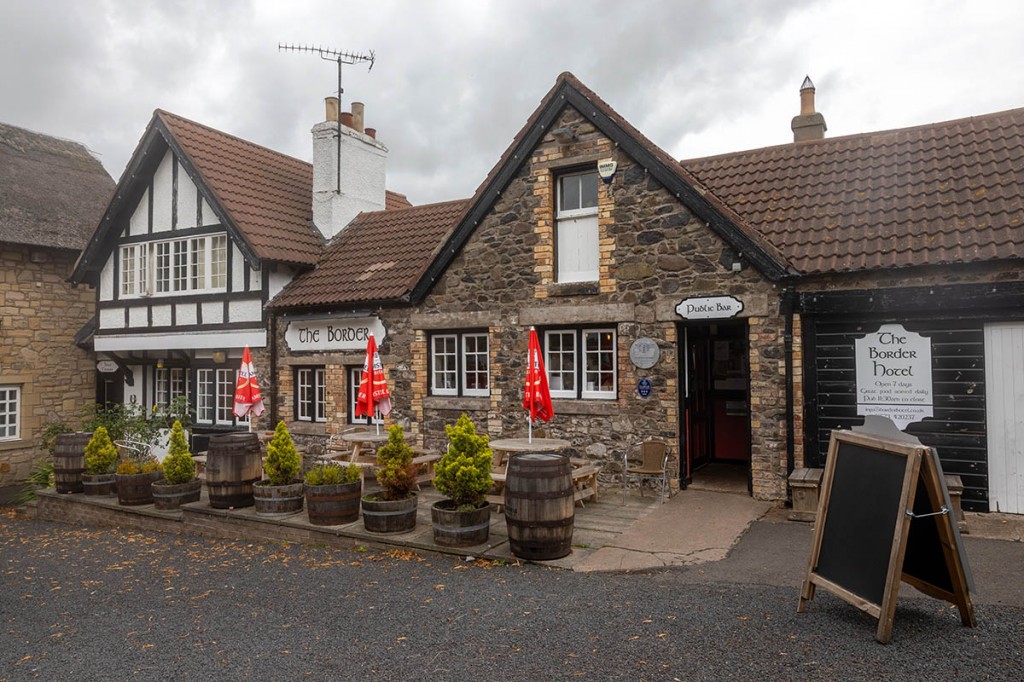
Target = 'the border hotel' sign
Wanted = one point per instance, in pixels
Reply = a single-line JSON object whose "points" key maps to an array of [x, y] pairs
{"points": [[894, 375], [332, 334]]}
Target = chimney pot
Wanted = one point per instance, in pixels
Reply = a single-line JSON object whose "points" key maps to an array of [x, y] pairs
{"points": [[809, 125], [357, 115], [346, 119], [371, 132], [331, 105]]}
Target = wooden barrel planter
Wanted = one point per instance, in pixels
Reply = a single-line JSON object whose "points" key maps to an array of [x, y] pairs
{"points": [[168, 497], [454, 528], [99, 485], [333, 505], [69, 461], [390, 516], [136, 489], [278, 500], [234, 462], [539, 506]]}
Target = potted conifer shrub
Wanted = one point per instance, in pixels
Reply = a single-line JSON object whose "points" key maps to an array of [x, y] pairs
{"points": [[280, 493], [332, 494], [179, 484], [463, 474], [393, 508], [100, 464]]}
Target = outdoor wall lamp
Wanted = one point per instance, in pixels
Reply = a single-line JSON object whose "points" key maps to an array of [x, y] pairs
{"points": [[219, 357], [159, 363]]}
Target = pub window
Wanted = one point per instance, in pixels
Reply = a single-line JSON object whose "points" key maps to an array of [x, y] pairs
{"points": [[171, 382], [10, 412], [215, 397], [355, 375], [197, 264], [459, 364], [581, 363], [310, 394], [576, 235]]}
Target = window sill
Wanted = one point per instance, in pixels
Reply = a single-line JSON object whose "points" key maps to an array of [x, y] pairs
{"points": [[574, 289], [13, 444], [453, 402]]}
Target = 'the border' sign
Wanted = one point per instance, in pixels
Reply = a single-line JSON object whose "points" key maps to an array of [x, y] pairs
{"points": [[894, 375]]}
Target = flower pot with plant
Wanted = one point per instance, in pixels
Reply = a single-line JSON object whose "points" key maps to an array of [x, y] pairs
{"points": [[136, 473], [463, 474], [280, 493], [332, 494], [393, 508], [179, 484], [100, 464]]}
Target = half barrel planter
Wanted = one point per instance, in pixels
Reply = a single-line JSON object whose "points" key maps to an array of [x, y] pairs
{"points": [[234, 462], [69, 461], [99, 485], [170, 496], [136, 489], [333, 504], [455, 528], [539, 506], [390, 516], [278, 500]]}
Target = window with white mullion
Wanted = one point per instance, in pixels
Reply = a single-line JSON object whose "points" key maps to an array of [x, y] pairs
{"points": [[218, 262], [226, 397], [180, 272], [444, 367], [198, 267], [163, 386], [560, 362], [355, 375], [10, 412], [163, 266], [475, 365], [320, 396], [599, 364], [179, 383], [206, 396], [576, 228]]}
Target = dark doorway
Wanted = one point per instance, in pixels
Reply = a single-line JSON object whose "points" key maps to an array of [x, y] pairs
{"points": [[110, 387], [715, 377]]}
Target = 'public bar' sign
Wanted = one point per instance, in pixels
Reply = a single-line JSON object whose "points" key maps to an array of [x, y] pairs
{"points": [[332, 334]]}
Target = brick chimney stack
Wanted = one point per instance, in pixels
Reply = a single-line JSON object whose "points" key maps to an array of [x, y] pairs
{"points": [[809, 125]]}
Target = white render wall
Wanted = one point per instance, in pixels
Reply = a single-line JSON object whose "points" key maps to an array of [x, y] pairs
{"points": [[107, 279], [187, 196], [139, 223], [243, 311], [213, 313], [363, 165], [112, 318], [163, 181]]}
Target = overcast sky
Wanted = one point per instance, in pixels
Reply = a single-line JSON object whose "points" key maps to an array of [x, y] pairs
{"points": [[454, 81]]}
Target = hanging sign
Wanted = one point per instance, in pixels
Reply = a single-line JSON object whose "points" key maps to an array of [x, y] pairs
{"points": [[106, 366], [644, 353], [894, 375], [709, 308], [339, 333]]}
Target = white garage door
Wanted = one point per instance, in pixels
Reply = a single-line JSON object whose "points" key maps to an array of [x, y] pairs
{"points": [[1004, 398]]}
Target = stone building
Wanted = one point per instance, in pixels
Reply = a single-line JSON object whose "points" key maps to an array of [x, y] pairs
{"points": [[724, 303], [52, 193]]}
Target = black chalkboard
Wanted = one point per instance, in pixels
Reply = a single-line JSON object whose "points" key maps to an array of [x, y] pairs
{"points": [[863, 510]]}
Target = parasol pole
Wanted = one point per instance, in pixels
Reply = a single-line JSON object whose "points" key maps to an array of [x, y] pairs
{"points": [[529, 412]]}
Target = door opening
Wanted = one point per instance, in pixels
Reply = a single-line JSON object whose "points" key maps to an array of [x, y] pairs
{"points": [[715, 376]]}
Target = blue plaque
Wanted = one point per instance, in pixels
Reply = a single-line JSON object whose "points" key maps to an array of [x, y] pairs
{"points": [[643, 387]]}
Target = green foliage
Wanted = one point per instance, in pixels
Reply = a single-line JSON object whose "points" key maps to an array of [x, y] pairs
{"points": [[179, 467], [282, 463], [123, 422], [178, 411], [132, 467], [464, 471], [41, 476], [396, 474], [100, 453], [332, 474], [50, 433]]}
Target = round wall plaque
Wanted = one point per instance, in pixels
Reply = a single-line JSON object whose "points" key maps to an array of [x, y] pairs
{"points": [[644, 353]]}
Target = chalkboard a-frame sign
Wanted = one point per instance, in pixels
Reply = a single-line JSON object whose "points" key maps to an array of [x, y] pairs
{"points": [[883, 517]]}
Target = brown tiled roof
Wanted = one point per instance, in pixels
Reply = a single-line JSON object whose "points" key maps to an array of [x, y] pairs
{"points": [[266, 194], [394, 201], [52, 191], [942, 193], [378, 257]]}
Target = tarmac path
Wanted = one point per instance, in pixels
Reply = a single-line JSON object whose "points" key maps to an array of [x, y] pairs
{"points": [[78, 603]]}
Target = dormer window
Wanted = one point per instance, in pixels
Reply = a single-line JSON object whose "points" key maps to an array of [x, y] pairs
{"points": [[193, 265], [576, 227]]}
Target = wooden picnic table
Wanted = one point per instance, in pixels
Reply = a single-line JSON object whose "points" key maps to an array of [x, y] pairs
{"points": [[584, 474], [367, 461]]}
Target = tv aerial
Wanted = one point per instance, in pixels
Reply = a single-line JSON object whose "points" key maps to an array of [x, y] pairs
{"points": [[340, 57]]}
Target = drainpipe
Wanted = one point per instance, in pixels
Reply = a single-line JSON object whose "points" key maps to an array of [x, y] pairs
{"points": [[786, 308], [273, 370]]}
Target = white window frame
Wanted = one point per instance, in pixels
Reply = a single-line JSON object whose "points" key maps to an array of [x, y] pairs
{"points": [[585, 363], [577, 238], [310, 392], [10, 413], [175, 266], [449, 366], [170, 382], [355, 375], [215, 397]]}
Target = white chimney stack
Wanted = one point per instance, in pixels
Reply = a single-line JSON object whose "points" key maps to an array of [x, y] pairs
{"points": [[362, 170]]}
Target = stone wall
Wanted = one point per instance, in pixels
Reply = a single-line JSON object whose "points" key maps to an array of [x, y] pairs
{"points": [[39, 316], [652, 254]]}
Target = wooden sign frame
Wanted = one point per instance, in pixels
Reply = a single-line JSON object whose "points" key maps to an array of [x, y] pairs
{"points": [[885, 496]]}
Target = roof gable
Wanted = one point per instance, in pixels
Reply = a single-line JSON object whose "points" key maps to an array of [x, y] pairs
{"points": [[568, 91], [52, 191]]}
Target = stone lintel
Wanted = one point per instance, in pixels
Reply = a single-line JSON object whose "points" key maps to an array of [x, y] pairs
{"points": [[461, 403], [460, 320], [594, 408], [577, 314]]}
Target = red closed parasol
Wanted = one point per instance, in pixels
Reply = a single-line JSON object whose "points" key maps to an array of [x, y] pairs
{"points": [[536, 396], [373, 388], [247, 390]]}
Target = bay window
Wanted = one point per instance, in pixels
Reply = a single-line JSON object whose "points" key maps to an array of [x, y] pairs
{"points": [[196, 264]]}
